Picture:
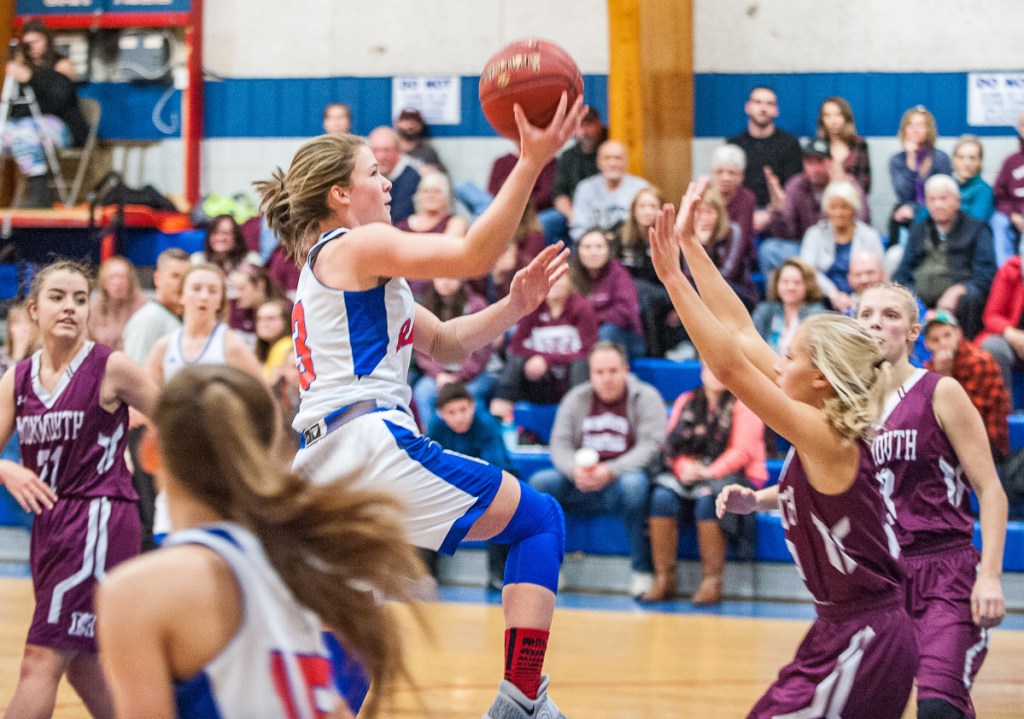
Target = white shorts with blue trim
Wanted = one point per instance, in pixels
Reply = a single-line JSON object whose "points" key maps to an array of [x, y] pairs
{"points": [[443, 492]]}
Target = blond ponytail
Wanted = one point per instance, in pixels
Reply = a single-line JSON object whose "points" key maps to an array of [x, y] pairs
{"points": [[295, 202], [336, 548], [850, 360]]}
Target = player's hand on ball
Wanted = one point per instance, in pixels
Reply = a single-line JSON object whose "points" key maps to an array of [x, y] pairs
{"points": [[28, 490], [539, 144], [736, 499], [531, 284]]}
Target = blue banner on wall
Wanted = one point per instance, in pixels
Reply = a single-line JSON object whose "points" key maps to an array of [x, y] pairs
{"points": [[84, 7]]}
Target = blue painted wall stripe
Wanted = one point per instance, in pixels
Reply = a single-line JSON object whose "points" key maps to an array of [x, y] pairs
{"points": [[261, 107]]}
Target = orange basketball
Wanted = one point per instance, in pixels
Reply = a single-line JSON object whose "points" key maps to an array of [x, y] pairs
{"points": [[533, 73]]}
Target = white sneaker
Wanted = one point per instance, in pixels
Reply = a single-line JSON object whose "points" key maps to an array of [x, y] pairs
{"points": [[511, 703], [642, 582]]}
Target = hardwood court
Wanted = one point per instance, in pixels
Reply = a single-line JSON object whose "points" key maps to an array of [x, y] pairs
{"points": [[605, 664]]}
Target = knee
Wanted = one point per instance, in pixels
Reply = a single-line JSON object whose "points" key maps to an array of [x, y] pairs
{"points": [[548, 482], [938, 709], [704, 508], [635, 489], [664, 502], [41, 663]]}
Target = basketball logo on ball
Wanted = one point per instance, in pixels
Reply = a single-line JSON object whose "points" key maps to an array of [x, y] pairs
{"points": [[532, 73]]}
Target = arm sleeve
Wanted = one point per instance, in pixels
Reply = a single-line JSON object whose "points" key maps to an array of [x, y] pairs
{"points": [[984, 261], [569, 415]]}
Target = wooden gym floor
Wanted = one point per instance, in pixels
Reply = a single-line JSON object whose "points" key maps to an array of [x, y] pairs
{"points": [[610, 660]]}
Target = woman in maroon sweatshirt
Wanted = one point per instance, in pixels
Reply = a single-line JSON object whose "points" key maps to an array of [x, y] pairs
{"points": [[610, 289], [548, 351]]}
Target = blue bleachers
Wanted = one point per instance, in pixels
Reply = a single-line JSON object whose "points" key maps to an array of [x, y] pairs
{"points": [[668, 377]]}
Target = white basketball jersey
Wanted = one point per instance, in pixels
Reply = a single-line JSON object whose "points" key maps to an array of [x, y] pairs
{"points": [[175, 362], [277, 665], [212, 353], [350, 346]]}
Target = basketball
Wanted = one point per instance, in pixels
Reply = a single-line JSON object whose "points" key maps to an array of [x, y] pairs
{"points": [[533, 73]]}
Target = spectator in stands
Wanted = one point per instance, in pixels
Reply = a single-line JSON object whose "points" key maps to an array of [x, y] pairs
{"points": [[723, 241], [541, 195], [60, 124], [634, 251], [727, 165], [602, 201], [793, 296], [768, 148], [337, 119], [713, 440], [450, 298], [607, 285], [42, 52], [394, 165], [252, 287], [225, 246], [798, 206], [413, 131], [622, 421], [949, 260], [158, 317], [976, 196], [548, 351], [1008, 219], [828, 245], [282, 270], [459, 427], [865, 270], [117, 297], [432, 203], [918, 160], [273, 336], [975, 369], [848, 150], [577, 163], [1003, 332], [526, 242]]}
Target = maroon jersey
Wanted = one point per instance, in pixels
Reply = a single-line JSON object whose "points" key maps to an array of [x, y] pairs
{"points": [[66, 437], [839, 542], [607, 428], [918, 467]]}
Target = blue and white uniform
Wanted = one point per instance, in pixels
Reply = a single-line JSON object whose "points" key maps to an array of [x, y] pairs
{"points": [[278, 664], [353, 350], [175, 361]]}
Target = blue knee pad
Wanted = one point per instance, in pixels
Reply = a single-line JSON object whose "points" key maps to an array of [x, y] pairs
{"points": [[536, 534]]}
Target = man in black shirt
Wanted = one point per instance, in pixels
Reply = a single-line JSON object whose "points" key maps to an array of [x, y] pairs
{"points": [[766, 146], [577, 163]]}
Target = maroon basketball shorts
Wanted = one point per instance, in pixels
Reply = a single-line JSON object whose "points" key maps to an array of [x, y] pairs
{"points": [[73, 546], [859, 665], [938, 587]]}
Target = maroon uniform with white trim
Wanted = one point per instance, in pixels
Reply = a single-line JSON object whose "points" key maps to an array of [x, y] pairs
{"points": [[920, 470], [77, 447], [859, 657]]}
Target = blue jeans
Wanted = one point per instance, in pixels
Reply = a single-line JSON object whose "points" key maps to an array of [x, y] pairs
{"points": [[425, 393], [556, 227], [773, 251], [629, 341], [626, 498], [1004, 236]]}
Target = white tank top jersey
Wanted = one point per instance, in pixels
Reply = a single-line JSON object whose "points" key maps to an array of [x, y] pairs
{"points": [[213, 352], [350, 346], [278, 664], [175, 362]]}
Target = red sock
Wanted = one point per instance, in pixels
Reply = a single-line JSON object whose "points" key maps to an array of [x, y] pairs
{"points": [[524, 658]]}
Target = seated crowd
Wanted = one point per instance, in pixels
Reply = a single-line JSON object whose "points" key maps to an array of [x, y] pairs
{"points": [[788, 225]]}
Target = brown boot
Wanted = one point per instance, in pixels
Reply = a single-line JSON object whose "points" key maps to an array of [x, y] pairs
{"points": [[711, 540], [665, 552]]}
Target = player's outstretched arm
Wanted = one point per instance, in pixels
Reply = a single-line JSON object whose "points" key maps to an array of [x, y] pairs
{"points": [[966, 431], [456, 339], [719, 297], [381, 251]]}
